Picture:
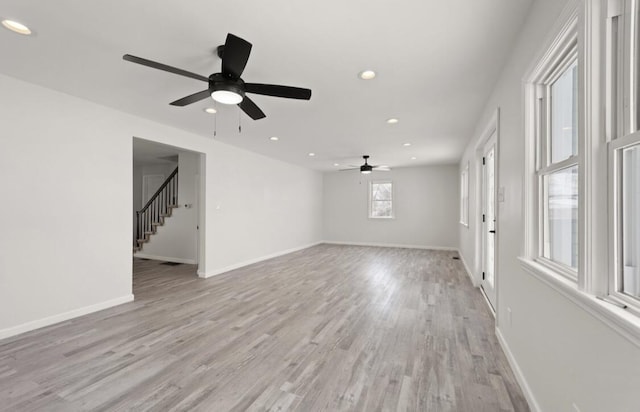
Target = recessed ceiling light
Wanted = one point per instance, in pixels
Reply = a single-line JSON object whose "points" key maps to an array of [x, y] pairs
{"points": [[274, 138], [413, 158], [393, 120], [16, 27], [336, 164], [407, 144], [211, 110], [367, 74], [312, 154]]}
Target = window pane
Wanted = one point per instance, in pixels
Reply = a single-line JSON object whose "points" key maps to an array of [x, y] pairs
{"points": [[381, 191], [381, 209], [561, 216], [564, 111], [631, 221]]}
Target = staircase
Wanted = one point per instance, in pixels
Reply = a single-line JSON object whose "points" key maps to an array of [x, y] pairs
{"points": [[157, 209]]}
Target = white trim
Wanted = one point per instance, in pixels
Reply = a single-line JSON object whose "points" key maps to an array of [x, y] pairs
{"points": [[487, 301], [61, 317], [618, 319], [394, 245], [464, 196], [165, 258], [235, 266], [524, 386], [469, 272]]}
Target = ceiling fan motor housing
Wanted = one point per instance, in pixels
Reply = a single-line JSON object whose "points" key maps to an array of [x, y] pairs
{"points": [[218, 81]]}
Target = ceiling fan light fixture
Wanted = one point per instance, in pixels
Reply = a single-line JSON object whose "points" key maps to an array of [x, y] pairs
{"points": [[210, 110], [226, 96], [365, 169]]}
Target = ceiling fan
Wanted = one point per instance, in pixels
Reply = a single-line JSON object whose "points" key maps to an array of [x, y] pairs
{"points": [[227, 87], [366, 168]]}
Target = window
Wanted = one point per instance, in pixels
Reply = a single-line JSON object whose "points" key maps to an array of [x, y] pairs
{"points": [[623, 144], [464, 196], [381, 200], [582, 171], [629, 283], [557, 161]]}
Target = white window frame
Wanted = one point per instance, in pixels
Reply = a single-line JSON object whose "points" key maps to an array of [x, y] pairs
{"points": [[622, 128], [602, 85], [562, 53], [374, 182], [464, 196]]}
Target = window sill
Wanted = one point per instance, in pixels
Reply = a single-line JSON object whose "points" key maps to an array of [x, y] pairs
{"points": [[621, 320]]}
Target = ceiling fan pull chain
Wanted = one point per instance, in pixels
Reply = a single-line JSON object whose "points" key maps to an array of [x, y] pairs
{"points": [[215, 125], [239, 121]]}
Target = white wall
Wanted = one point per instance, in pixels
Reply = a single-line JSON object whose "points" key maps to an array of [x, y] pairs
{"points": [[564, 354], [65, 217], [425, 206], [176, 240]]}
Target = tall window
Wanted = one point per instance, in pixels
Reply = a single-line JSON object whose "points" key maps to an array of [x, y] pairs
{"points": [[381, 200], [464, 196], [582, 185], [623, 129], [557, 160], [558, 171]]}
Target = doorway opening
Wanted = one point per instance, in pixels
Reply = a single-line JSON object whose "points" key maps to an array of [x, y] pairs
{"points": [[487, 207], [168, 203]]}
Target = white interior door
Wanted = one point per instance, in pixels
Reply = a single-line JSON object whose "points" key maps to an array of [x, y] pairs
{"points": [[489, 184]]}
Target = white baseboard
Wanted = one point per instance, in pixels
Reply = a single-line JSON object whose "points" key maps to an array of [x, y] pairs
{"points": [[397, 245], [526, 390], [225, 269], [50, 320], [474, 281], [165, 258]]}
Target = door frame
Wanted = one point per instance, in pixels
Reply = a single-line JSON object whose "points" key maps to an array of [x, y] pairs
{"points": [[200, 187], [492, 127]]}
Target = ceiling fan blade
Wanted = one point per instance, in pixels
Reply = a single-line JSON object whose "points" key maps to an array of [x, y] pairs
{"points": [[382, 168], [278, 91], [160, 66], [196, 97], [250, 108], [235, 56], [353, 168]]}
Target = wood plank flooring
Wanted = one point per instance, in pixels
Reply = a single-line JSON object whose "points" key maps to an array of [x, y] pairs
{"points": [[329, 328]]}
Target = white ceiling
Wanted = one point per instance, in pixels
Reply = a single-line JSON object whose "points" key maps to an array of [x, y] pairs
{"points": [[437, 62]]}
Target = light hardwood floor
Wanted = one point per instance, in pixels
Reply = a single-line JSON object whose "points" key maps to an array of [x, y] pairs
{"points": [[327, 328]]}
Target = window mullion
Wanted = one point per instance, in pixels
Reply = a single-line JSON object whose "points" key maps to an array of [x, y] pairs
{"points": [[569, 162]]}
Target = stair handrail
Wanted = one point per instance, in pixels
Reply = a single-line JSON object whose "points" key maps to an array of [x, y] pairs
{"points": [[162, 201], [162, 186]]}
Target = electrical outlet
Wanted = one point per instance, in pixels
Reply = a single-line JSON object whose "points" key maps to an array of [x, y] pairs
{"points": [[509, 317], [575, 407]]}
